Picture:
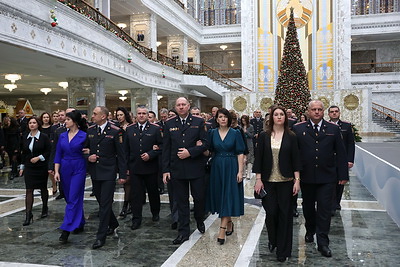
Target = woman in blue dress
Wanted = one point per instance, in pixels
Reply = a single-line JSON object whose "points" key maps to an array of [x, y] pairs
{"points": [[225, 194], [70, 169]]}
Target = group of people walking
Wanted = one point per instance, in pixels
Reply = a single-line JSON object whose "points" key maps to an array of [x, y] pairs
{"points": [[207, 159]]}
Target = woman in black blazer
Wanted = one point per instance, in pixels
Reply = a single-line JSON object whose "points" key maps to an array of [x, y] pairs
{"points": [[277, 166], [35, 154]]}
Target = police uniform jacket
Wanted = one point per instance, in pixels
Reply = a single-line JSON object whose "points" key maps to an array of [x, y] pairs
{"points": [[137, 143], [323, 156], [257, 124], [348, 139], [178, 136], [110, 148]]}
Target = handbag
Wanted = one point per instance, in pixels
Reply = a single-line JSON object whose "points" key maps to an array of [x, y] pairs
{"points": [[260, 195]]}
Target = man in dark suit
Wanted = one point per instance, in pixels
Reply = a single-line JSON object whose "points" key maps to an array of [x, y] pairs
{"points": [[324, 165], [140, 141], [23, 121], [183, 163], [258, 123], [349, 144], [106, 157], [212, 121], [55, 132]]}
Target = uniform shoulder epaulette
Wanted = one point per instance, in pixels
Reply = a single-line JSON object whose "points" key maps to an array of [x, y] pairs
{"points": [[173, 117], [114, 127], [331, 122], [346, 122], [300, 122], [155, 124], [91, 126], [129, 125], [197, 116], [208, 123]]}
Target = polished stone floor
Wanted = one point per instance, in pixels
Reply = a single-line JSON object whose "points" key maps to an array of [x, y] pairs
{"points": [[362, 234]]}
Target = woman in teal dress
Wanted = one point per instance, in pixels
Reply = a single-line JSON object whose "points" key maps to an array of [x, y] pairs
{"points": [[225, 194], [70, 168]]}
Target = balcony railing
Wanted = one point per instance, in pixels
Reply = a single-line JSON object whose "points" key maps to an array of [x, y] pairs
{"points": [[180, 4], [373, 67], [389, 115], [365, 7], [90, 12]]}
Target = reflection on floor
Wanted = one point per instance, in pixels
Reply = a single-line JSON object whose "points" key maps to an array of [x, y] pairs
{"points": [[362, 234]]}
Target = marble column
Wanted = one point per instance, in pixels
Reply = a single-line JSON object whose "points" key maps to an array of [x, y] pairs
{"points": [[144, 24], [194, 52], [144, 97], [177, 47], [86, 93], [249, 44]]}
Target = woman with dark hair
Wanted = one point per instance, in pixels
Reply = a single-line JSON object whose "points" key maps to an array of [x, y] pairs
{"points": [[70, 169], [12, 136], [124, 119], [277, 166], [36, 149], [225, 194], [303, 117], [248, 130], [46, 123]]}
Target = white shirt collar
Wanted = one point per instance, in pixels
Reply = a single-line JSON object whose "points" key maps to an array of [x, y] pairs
{"points": [[144, 124], [103, 126], [319, 123], [37, 135]]}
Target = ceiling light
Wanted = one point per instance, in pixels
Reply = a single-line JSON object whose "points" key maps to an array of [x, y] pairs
{"points": [[123, 92], [223, 47], [10, 86], [12, 77], [123, 98], [159, 97], [64, 85], [232, 64], [121, 25], [63, 99], [158, 44], [45, 90]]}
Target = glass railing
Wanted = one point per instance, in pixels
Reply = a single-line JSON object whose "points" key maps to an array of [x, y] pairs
{"points": [[373, 67], [365, 7]]}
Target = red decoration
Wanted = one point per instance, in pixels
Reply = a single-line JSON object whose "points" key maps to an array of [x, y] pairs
{"points": [[53, 24]]}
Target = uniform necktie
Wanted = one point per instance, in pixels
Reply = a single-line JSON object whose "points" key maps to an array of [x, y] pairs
{"points": [[141, 128], [316, 129], [183, 122], [98, 130]]}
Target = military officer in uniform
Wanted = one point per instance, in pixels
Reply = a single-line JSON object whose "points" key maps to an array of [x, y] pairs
{"points": [[324, 165], [258, 124], [349, 144], [140, 141], [183, 163], [106, 158]]}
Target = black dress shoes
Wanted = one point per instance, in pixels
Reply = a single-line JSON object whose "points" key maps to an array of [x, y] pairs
{"points": [[201, 227], [110, 231], [174, 226], [135, 225], [78, 230], [60, 196], [156, 218], [309, 238], [281, 259], [180, 239], [325, 251], [64, 237], [98, 244], [333, 212]]}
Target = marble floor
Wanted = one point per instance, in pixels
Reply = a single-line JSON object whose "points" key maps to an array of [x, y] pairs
{"points": [[362, 234]]}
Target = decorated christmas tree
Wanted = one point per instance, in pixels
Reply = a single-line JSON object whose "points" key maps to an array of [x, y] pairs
{"points": [[292, 88]]}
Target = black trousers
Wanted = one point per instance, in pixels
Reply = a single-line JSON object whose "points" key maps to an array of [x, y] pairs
{"points": [[104, 192], [139, 184], [337, 196], [172, 202], [181, 194], [279, 218], [318, 220]]}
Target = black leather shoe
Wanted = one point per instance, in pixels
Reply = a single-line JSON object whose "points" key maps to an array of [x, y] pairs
{"points": [[325, 251], [59, 197], [45, 211], [64, 237], [281, 259], [156, 218], [180, 239], [201, 227], [98, 244], [110, 231], [135, 225], [174, 226], [271, 247], [309, 238], [92, 194], [78, 230]]}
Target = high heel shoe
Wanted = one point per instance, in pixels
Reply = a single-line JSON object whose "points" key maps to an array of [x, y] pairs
{"points": [[28, 219], [230, 232], [221, 241], [45, 210], [64, 237]]}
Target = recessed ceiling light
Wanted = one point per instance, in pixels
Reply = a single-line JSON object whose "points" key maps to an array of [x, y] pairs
{"points": [[45, 90], [12, 77], [121, 25], [10, 86]]}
